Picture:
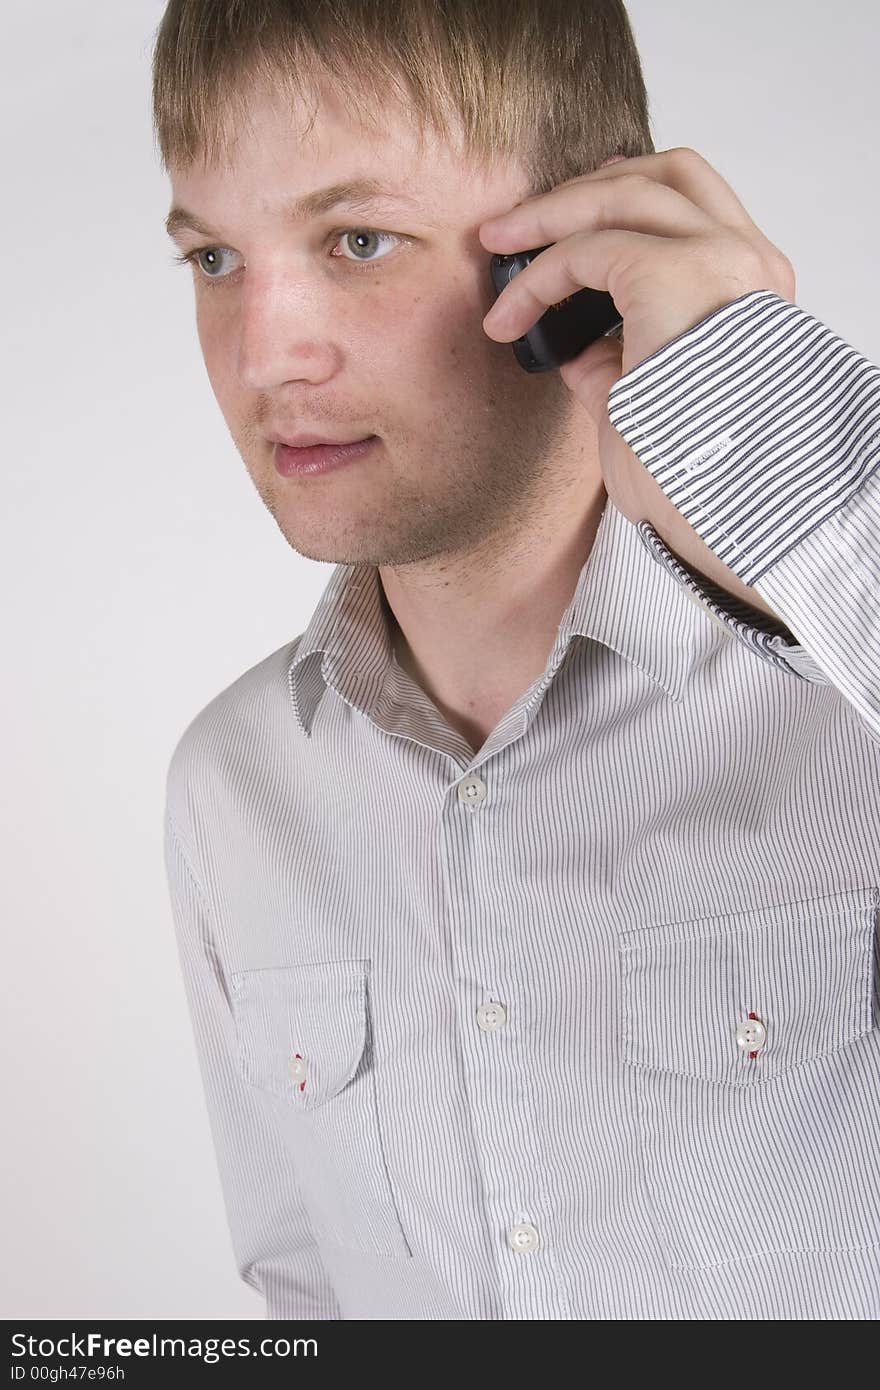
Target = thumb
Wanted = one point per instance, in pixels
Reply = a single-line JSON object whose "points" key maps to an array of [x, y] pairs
{"points": [[591, 375]]}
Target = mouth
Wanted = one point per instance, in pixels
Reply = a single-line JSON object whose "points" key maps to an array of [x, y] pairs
{"points": [[306, 460]]}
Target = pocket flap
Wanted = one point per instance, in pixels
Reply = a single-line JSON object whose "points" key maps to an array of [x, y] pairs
{"points": [[804, 969], [301, 1028]]}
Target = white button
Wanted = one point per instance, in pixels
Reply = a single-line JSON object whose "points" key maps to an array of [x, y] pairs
{"points": [[297, 1068], [491, 1016], [694, 598], [524, 1236], [702, 603], [751, 1035], [472, 790], [719, 622]]}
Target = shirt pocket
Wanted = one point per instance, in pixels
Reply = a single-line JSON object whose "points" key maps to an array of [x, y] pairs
{"points": [[772, 1146], [304, 1040]]}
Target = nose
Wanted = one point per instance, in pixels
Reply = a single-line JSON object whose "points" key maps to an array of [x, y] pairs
{"points": [[284, 335]]}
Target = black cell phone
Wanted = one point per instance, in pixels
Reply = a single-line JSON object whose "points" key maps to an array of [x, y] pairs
{"points": [[566, 328]]}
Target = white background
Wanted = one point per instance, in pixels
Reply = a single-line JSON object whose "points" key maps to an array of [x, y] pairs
{"points": [[141, 574]]}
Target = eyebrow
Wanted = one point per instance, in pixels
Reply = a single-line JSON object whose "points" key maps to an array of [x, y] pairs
{"points": [[357, 194]]}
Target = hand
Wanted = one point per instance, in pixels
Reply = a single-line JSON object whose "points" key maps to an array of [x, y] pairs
{"points": [[669, 240]]}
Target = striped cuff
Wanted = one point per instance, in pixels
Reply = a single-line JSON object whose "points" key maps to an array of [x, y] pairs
{"points": [[758, 423]]}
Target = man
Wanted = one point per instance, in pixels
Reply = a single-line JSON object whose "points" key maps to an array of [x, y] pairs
{"points": [[527, 900]]}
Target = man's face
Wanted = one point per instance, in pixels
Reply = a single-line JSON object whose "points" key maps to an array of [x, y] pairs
{"points": [[305, 327]]}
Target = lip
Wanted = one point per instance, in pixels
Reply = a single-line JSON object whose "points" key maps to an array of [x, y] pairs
{"points": [[305, 440], [309, 459]]}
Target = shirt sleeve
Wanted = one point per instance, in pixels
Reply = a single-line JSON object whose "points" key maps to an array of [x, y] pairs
{"points": [[762, 427], [274, 1247]]}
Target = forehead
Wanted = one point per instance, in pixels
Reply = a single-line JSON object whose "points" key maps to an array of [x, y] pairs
{"points": [[285, 155], [302, 143]]}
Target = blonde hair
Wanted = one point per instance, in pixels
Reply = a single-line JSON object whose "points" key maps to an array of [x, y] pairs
{"points": [[554, 84]]}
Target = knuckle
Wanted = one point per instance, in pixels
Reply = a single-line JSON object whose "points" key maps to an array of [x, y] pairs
{"points": [[784, 272], [782, 262], [634, 180]]}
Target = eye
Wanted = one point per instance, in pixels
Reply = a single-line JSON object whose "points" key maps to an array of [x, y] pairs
{"points": [[362, 237], [191, 258]]}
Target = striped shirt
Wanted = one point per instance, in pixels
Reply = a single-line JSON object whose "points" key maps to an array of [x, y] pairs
{"points": [[586, 1024]]}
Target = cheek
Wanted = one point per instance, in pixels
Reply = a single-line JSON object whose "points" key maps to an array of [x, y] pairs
{"points": [[436, 333], [215, 336], [217, 342]]}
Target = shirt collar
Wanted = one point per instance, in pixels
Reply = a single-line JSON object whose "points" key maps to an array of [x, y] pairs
{"points": [[628, 597]]}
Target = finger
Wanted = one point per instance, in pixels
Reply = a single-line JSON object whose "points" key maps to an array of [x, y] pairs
{"points": [[690, 174], [584, 259], [681, 169], [632, 202]]}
